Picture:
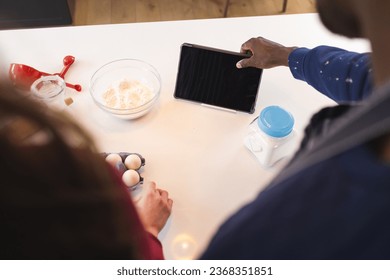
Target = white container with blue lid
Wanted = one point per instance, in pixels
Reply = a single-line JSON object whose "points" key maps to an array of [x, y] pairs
{"points": [[271, 135]]}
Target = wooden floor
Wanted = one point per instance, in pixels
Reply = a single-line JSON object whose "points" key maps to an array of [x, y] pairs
{"points": [[87, 12]]}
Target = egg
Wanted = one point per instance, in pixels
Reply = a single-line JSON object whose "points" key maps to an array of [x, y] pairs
{"points": [[131, 178], [133, 161], [113, 159]]}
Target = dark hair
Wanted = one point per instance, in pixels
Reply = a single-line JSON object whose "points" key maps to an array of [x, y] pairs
{"points": [[58, 198]]}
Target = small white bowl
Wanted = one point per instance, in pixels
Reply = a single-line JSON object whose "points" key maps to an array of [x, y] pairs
{"points": [[126, 88]]}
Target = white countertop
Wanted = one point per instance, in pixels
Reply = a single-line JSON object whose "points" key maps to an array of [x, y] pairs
{"points": [[194, 152]]}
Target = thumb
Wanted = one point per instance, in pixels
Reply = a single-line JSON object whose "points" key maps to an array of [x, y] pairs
{"points": [[243, 63]]}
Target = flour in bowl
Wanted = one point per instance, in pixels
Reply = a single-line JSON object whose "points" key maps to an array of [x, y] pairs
{"points": [[127, 94]]}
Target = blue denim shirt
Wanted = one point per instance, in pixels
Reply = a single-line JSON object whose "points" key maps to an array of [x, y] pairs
{"points": [[339, 74]]}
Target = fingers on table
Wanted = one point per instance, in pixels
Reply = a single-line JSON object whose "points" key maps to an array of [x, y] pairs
{"points": [[165, 197], [151, 187]]}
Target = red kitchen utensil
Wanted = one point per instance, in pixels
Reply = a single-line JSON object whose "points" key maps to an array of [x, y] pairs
{"points": [[22, 76]]}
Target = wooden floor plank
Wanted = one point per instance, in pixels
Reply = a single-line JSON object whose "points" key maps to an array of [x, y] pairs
{"points": [[177, 10], [123, 11], [297, 6], [97, 11], [80, 10], [207, 8], [240, 7], [120, 11], [148, 10]]}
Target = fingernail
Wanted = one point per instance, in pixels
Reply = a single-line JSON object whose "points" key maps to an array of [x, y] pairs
{"points": [[238, 64]]}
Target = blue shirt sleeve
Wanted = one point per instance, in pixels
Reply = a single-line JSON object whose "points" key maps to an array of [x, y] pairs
{"points": [[339, 74]]}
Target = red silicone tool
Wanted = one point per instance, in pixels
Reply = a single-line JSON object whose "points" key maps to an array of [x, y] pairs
{"points": [[23, 76]]}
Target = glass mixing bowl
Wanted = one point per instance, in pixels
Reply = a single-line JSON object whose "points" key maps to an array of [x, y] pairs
{"points": [[126, 88]]}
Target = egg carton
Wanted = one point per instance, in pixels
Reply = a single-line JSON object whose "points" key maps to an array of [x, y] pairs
{"points": [[129, 166]]}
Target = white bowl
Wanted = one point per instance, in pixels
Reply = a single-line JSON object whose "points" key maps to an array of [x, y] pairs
{"points": [[126, 88]]}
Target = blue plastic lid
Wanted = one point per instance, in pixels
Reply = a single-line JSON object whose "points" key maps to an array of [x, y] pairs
{"points": [[275, 121]]}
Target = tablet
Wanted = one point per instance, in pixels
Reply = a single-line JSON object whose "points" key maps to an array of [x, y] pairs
{"points": [[209, 76]]}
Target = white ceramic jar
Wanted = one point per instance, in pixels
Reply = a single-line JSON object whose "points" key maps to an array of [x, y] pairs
{"points": [[271, 136]]}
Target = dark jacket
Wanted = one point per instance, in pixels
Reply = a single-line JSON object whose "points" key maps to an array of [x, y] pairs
{"points": [[332, 201]]}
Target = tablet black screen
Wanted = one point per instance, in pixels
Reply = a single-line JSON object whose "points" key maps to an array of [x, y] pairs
{"points": [[210, 76]]}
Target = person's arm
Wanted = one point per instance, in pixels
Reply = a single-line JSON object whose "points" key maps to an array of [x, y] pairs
{"points": [[149, 214], [154, 207], [337, 73], [155, 250]]}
